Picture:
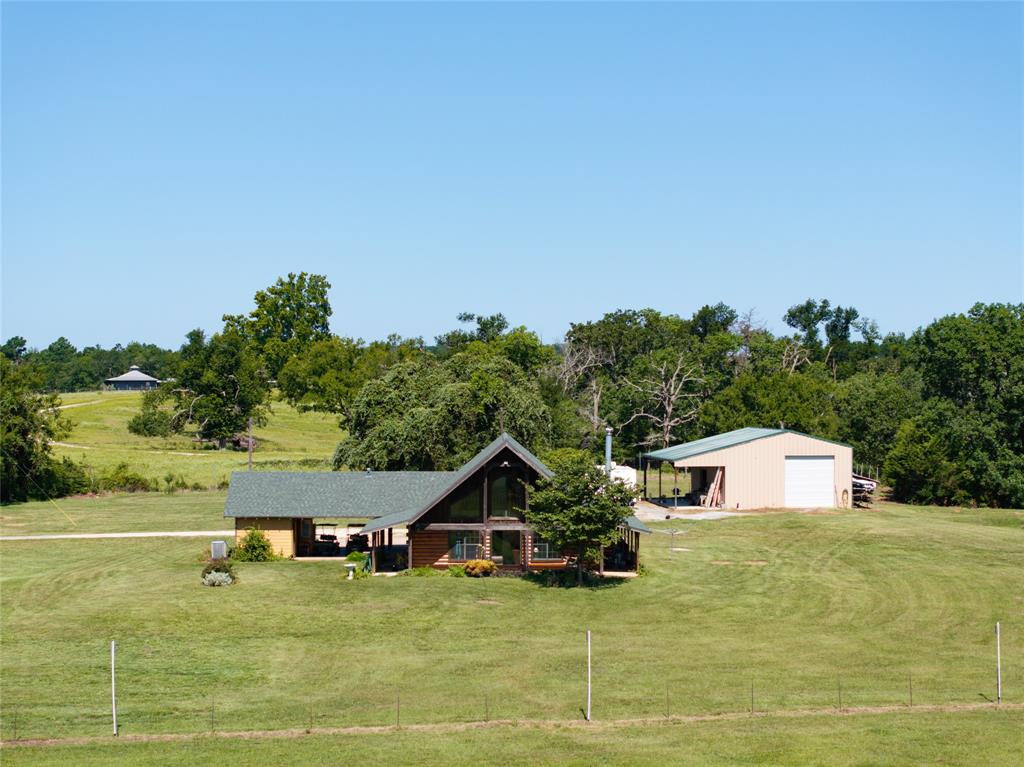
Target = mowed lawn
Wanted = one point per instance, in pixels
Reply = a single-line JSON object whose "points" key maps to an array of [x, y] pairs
{"points": [[795, 604], [988, 738], [100, 438]]}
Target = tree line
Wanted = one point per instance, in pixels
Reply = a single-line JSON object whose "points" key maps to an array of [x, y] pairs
{"points": [[939, 411]]}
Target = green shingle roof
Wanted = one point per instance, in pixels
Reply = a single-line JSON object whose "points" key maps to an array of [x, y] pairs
{"points": [[331, 494], [388, 498], [635, 524]]}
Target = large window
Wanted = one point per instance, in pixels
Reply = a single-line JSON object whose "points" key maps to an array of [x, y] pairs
{"points": [[466, 505], [464, 545], [541, 550], [507, 496]]}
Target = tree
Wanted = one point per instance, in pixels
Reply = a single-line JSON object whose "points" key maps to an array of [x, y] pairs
{"points": [[221, 385], [29, 422], [14, 348], [669, 385], [429, 414], [580, 508], [488, 329], [799, 401], [328, 375], [872, 406], [289, 316]]}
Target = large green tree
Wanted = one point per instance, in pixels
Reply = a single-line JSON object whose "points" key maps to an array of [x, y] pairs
{"points": [[580, 508], [221, 385], [328, 376], [290, 315], [29, 421], [431, 414]]}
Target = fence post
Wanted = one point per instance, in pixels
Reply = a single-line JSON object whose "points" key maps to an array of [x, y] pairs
{"points": [[839, 682], [910, 687], [398, 709], [588, 675], [213, 724], [113, 684], [751, 696], [999, 669]]}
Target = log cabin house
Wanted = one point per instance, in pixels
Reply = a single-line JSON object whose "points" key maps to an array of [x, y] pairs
{"points": [[414, 518]]}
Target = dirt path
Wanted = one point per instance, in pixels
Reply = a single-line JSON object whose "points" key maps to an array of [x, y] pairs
{"points": [[78, 404], [90, 536], [540, 724]]}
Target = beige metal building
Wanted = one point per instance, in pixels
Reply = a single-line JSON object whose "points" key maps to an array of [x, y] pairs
{"points": [[763, 468]]}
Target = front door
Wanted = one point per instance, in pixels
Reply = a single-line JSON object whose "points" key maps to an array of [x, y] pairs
{"points": [[506, 545]]}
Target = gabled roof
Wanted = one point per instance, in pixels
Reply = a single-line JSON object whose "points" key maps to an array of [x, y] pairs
{"points": [[503, 442], [133, 374], [722, 441], [358, 495], [388, 498]]}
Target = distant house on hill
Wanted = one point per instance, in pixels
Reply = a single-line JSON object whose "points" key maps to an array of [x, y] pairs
{"points": [[413, 518], [133, 380]]}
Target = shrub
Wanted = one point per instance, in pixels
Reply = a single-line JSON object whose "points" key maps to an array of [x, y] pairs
{"points": [[124, 478], [255, 547], [217, 578], [219, 566], [479, 568], [151, 423], [457, 571], [64, 477], [425, 572], [356, 556]]}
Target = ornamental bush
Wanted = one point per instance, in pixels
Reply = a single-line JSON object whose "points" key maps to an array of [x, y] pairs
{"points": [[255, 547], [217, 578], [219, 566], [480, 568]]}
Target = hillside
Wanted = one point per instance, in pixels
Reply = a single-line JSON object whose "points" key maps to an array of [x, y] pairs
{"points": [[100, 439]]}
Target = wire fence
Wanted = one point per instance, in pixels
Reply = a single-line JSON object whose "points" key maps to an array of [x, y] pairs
{"points": [[148, 706]]}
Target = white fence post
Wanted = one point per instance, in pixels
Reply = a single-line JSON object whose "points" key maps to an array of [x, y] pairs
{"points": [[113, 684], [999, 669], [588, 675]]}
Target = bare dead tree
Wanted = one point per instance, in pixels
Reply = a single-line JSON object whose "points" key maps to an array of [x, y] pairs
{"points": [[579, 373], [672, 395], [794, 355]]}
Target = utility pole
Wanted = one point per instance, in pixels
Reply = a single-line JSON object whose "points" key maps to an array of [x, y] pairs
{"points": [[249, 443]]}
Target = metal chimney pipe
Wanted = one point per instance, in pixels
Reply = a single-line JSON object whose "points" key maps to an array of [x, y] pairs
{"points": [[608, 450]]}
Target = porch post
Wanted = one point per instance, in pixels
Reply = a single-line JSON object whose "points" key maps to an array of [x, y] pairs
{"points": [[390, 537]]}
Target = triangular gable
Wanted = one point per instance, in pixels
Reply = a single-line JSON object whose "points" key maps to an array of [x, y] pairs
{"points": [[503, 442]]}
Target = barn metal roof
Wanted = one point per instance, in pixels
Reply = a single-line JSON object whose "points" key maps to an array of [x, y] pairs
{"points": [[721, 442]]}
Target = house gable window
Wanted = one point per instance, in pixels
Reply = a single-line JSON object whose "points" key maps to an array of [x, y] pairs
{"points": [[465, 505], [506, 494]]}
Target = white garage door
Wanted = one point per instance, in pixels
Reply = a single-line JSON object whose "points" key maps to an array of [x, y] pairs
{"points": [[809, 481]]}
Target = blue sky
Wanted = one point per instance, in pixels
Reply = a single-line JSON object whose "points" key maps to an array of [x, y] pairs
{"points": [[161, 163]]}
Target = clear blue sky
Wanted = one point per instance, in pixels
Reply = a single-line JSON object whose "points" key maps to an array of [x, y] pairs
{"points": [[163, 162]]}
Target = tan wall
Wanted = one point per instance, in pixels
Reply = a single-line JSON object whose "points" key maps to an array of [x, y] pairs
{"points": [[755, 472], [277, 529]]}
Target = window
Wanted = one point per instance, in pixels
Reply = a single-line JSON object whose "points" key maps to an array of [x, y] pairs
{"points": [[541, 550], [507, 496], [464, 545], [466, 505]]}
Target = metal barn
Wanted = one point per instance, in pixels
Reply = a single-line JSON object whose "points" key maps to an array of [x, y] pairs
{"points": [[762, 468]]}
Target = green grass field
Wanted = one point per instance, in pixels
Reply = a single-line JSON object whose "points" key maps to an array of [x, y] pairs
{"points": [[991, 738], [100, 438], [796, 604]]}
